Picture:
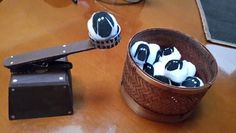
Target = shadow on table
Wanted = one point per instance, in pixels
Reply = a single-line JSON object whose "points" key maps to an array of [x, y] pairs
{"points": [[78, 94], [188, 124]]}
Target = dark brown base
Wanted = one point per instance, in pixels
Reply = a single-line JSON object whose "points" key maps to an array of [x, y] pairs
{"points": [[148, 114]]}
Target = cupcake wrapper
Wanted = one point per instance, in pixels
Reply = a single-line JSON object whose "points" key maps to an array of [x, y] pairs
{"points": [[106, 44]]}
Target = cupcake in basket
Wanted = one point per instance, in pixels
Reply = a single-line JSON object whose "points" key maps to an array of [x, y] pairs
{"points": [[166, 74]]}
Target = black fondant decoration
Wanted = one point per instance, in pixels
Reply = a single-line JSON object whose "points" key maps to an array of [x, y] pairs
{"points": [[148, 68], [191, 82], [168, 51], [103, 24], [162, 79], [174, 65], [142, 52], [158, 55], [175, 84]]}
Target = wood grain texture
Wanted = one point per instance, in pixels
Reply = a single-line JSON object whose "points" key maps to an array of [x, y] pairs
{"points": [[28, 25]]}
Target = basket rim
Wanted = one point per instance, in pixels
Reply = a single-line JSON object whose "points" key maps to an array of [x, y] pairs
{"points": [[162, 85]]}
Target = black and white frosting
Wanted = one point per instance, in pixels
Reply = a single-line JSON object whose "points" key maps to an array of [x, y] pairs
{"points": [[176, 70], [102, 26], [170, 53], [155, 53], [165, 64], [143, 52], [140, 52]]}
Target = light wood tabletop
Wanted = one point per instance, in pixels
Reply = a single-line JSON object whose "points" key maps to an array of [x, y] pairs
{"points": [[28, 25]]}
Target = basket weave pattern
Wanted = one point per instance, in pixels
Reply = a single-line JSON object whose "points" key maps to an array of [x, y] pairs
{"points": [[153, 98]]}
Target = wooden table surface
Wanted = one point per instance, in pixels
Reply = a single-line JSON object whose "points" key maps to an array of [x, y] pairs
{"points": [[28, 25]]}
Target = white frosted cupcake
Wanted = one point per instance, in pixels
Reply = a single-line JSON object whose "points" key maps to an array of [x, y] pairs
{"points": [[104, 30]]}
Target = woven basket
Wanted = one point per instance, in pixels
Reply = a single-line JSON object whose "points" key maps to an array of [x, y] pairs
{"points": [[159, 101]]}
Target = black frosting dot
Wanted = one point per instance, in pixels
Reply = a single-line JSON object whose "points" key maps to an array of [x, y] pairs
{"points": [[158, 55], [175, 84], [168, 51], [191, 82], [148, 68]]}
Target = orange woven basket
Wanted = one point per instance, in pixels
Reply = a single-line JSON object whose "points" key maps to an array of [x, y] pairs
{"points": [[159, 101]]}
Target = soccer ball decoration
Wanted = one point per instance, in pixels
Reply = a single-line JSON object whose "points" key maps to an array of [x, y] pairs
{"points": [[165, 64]]}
